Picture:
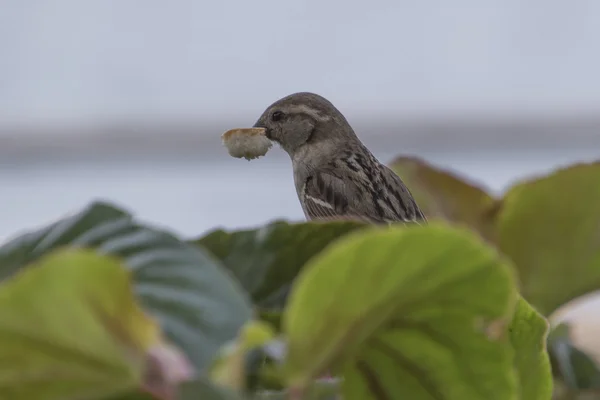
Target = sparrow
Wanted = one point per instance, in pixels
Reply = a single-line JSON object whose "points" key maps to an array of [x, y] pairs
{"points": [[335, 175]]}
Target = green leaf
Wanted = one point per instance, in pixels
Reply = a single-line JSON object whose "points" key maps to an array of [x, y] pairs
{"points": [[229, 369], [549, 228], [528, 333], [197, 304], [444, 195], [203, 389], [267, 260], [319, 390], [272, 317], [418, 312], [70, 329], [200, 388], [134, 395]]}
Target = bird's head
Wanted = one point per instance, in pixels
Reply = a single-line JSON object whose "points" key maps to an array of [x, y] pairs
{"points": [[303, 119]]}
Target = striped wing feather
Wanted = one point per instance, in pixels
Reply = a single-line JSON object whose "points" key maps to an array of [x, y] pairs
{"points": [[327, 196]]}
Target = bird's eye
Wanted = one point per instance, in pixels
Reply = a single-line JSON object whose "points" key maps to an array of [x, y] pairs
{"points": [[277, 116]]}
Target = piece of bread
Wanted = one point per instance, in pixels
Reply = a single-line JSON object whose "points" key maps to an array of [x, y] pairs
{"points": [[248, 143]]}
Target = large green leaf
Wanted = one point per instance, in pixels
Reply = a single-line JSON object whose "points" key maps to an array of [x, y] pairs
{"points": [[198, 305], [70, 329], [416, 313], [550, 228], [204, 389], [266, 260], [444, 195], [200, 388], [528, 332], [319, 390]]}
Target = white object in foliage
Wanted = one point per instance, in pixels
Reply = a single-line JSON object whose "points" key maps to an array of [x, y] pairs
{"points": [[249, 143], [582, 315]]}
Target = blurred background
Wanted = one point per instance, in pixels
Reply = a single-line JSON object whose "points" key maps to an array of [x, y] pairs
{"points": [[125, 100]]}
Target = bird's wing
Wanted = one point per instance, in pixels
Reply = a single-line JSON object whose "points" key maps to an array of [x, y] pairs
{"points": [[323, 196], [326, 195], [402, 202]]}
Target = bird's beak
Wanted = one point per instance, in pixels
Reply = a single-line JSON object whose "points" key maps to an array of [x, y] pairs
{"points": [[261, 124]]}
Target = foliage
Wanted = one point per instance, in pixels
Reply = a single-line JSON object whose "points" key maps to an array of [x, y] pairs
{"points": [[101, 306], [444, 195], [528, 331], [549, 226], [266, 260], [199, 306], [70, 328], [406, 323]]}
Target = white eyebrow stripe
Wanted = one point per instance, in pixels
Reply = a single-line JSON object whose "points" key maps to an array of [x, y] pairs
{"points": [[303, 108]]}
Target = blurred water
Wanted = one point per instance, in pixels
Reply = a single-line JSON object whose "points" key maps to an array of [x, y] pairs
{"points": [[192, 197]]}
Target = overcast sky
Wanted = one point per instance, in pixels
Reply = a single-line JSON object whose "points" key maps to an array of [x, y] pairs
{"points": [[82, 61]]}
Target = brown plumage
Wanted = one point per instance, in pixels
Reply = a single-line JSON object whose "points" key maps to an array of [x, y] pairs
{"points": [[336, 176]]}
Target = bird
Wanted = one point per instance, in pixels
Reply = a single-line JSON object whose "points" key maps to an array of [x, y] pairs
{"points": [[335, 174]]}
